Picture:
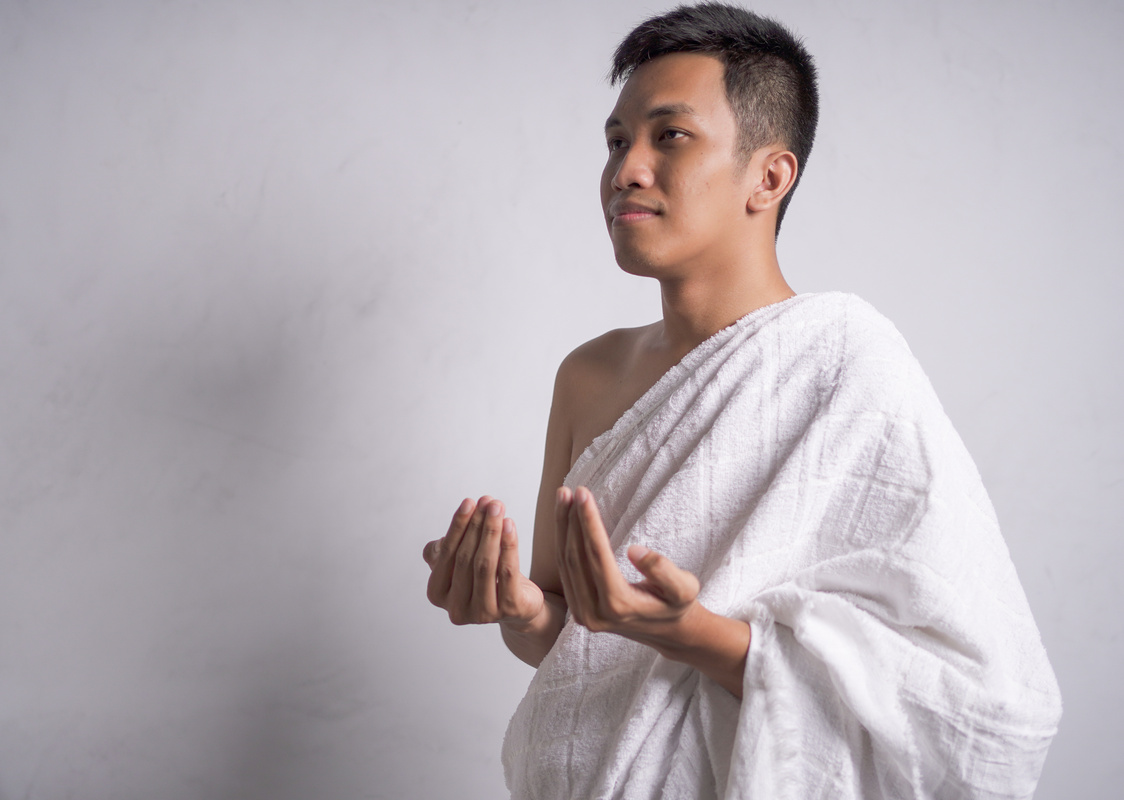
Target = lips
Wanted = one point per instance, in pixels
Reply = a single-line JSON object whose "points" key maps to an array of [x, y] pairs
{"points": [[630, 211]]}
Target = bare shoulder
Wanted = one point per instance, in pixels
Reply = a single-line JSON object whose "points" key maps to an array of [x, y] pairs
{"points": [[598, 381], [607, 354]]}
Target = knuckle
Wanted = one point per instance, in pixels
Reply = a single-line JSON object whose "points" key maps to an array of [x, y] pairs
{"points": [[466, 615], [687, 590], [613, 608], [436, 590], [463, 559], [434, 596]]}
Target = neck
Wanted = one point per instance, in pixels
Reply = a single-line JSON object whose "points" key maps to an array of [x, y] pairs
{"points": [[697, 306]]}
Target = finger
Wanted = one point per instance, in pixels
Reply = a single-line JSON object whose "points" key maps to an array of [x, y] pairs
{"points": [[463, 562], [439, 554], [577, 561], [437, 587], [447, 545], [608, 589], [483, 601], [562, 499], [562, 502], [600, 562], [431, 551], [507, 571], [460, 560], [677, 586]]}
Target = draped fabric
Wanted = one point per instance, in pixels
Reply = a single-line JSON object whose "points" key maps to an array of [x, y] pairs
{"points": [[799, 463]]}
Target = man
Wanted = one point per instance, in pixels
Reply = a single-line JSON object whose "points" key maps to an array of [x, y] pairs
{"points": [[763, 565]]}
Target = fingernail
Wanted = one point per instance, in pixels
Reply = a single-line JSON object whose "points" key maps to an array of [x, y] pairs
{"points": [[582, 494], [560, 495], [494, 510], [466, 504], [508, 525]]}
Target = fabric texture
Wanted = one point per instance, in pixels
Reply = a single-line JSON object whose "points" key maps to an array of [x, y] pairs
{"points": [[799, 463]]}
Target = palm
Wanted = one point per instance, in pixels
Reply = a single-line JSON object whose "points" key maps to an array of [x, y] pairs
{"points": [[597, 593]]}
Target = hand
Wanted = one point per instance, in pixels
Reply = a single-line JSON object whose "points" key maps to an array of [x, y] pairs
{"points": [[597, 593], [474, 569]]}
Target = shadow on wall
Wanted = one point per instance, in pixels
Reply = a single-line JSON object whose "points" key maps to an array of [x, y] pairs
{"points": [[179, 545], [241, 466]]}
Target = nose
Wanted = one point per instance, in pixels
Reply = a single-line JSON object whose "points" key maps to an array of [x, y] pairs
{"points": [[634, 169]]}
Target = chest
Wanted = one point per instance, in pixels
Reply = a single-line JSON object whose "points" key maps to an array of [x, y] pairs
{"points": [[607, 395]]}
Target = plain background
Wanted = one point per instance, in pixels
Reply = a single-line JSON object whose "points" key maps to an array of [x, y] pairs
{"points": [[282, 282]]}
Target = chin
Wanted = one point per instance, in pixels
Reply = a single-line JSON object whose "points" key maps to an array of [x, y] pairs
{"points": [[638, 267], [644, 265]]}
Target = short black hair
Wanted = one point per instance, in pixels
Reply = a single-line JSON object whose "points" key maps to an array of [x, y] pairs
{"points": [[769, 75]]}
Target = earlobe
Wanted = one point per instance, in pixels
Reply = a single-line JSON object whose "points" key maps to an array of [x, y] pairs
{"points": [[778, 173]]}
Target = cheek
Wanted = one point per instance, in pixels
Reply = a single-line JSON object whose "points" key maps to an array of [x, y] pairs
{"points": [[712, 192], [606, 186]]}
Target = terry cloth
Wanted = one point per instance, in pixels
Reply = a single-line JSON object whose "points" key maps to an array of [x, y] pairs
{"points": [[799, 463]]}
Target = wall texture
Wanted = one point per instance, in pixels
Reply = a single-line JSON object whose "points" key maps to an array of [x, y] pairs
{"points": [[281, 282]]}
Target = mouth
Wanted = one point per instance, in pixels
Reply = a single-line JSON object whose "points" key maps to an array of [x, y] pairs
{"points": [[628, 213]]}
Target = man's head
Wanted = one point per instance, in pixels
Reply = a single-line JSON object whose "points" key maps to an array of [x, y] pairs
{"points": [[769, 77]]}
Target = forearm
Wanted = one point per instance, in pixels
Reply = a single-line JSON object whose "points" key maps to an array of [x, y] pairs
{"points": [[716, 646], [531, 642]]}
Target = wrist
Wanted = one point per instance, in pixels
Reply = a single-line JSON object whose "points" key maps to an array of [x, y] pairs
{"points": [[535, 624], [680, 637], [713, 644], [524, 627]]}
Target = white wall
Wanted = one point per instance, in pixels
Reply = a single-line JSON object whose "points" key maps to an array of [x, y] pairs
{"points": [[281, 282]]}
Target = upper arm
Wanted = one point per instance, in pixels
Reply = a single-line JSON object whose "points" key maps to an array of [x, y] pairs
{"points": [[581, 407], [556, 464]]}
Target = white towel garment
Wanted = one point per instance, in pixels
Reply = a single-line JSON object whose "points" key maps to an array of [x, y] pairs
{"points": [[799, 463]]}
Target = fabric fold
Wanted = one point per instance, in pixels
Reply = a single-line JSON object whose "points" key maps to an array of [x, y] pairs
{"points": [[799, 463]]}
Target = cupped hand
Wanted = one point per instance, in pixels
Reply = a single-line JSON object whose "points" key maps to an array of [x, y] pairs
{"points": [[474, 569], [597, 593]]}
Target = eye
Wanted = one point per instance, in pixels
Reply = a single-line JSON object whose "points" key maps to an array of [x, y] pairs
{"points": [[615, 143], [673, 133]]}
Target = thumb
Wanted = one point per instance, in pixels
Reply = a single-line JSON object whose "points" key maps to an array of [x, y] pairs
{"points": [[675, 585]]}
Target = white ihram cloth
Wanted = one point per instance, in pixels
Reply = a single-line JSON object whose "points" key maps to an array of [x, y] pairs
{"points": [[800, 465]]}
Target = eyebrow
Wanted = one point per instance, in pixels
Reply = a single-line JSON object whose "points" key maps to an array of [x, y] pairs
{"points": [[669, 110]]}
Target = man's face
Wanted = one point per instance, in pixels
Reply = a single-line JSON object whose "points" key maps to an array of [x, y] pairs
{"points": [[674, 189]]}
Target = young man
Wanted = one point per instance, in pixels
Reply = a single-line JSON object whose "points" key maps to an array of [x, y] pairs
{"points": [[763, 565]]}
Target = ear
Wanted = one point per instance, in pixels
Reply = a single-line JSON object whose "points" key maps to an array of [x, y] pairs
{"points": [[777, 171]]}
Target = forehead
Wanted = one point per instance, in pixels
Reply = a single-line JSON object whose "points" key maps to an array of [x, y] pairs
{"points": [[693, 80]]}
